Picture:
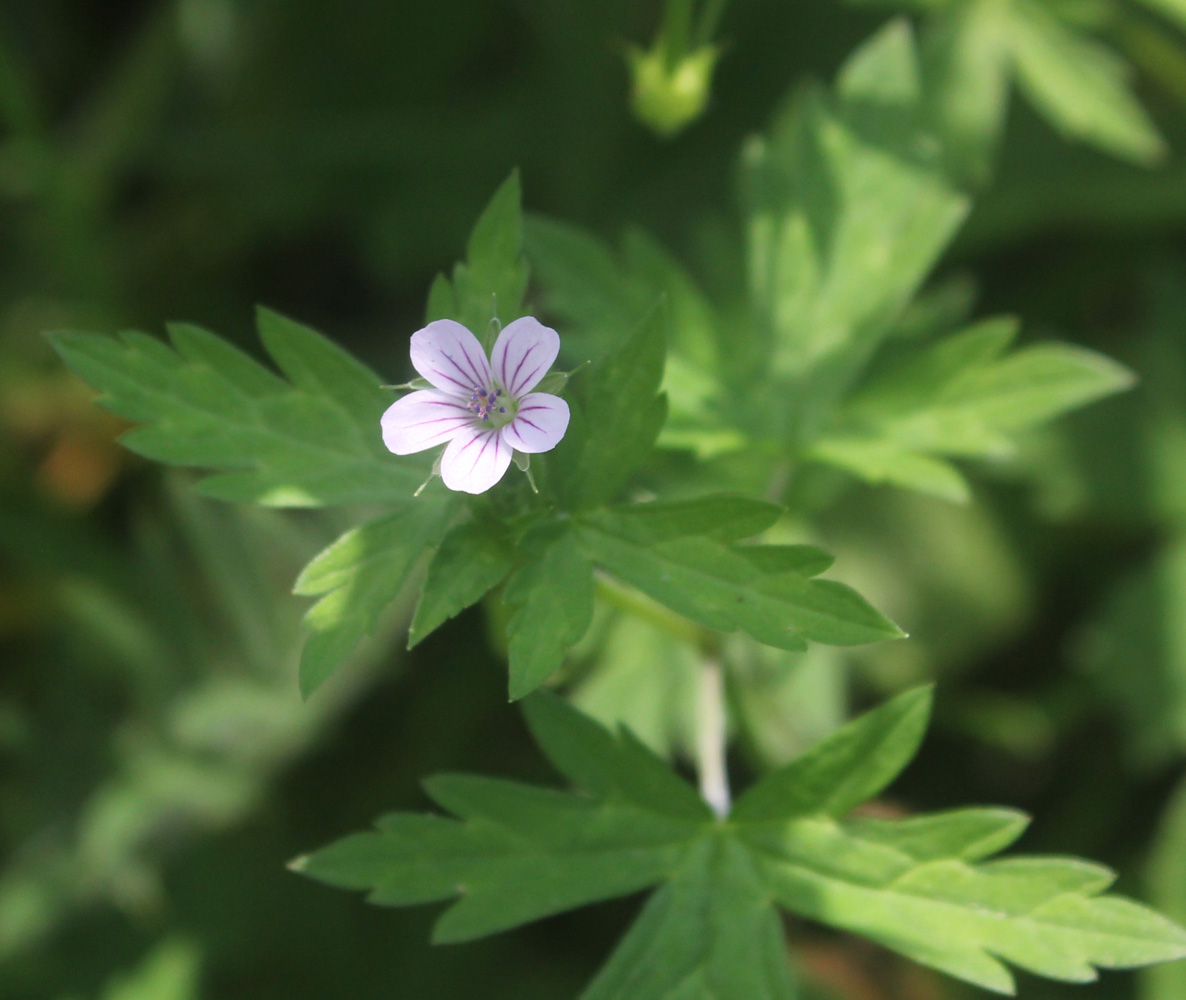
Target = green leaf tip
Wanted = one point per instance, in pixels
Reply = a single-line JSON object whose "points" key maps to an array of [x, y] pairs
{"points": [[847, 768], [494, 274]]}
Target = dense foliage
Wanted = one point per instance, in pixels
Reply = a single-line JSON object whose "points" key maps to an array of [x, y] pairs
{"points": [[804, 421]]}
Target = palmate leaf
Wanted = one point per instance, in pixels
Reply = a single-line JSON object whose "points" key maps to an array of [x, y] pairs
{"points": [[308, 441], [964, 396], [920, 886]]}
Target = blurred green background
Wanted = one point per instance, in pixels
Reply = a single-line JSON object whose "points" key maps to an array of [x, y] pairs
{"points": [[165, 160]]}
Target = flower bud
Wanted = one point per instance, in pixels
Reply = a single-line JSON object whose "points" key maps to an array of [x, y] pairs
{"points": [[669, 95]]}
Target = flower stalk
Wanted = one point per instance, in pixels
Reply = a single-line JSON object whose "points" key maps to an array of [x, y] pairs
{"points": [[711, 737]]}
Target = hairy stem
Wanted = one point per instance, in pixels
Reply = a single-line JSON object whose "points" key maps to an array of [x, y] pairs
{"points": [[710, 737]]}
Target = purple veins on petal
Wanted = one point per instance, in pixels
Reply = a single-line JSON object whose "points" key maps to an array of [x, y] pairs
{"points": [[457, 410], [450, 357], [423, 419], [475, 460], [539, 425], [523, 353]]}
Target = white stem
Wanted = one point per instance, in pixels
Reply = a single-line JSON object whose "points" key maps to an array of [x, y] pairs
{"points": [[710, 738]]}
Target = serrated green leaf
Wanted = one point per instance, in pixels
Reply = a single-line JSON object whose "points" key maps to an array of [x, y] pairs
{"points": [[204, 403], [845, 769], [962, 397], [966, 834], [505, 878], [552, 597], [1080, 85], [321, 368], [493, 279], [806, 560], [710, 933], [1041, 914], [517, 853], [473, 558], [728, 588], [616, 416], [598, 293], [357, 577]]}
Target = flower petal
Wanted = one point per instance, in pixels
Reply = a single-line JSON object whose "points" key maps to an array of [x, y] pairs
{"points": [[475, 460], [523, 354], [539, 425], [423, 419], [450, 357]]}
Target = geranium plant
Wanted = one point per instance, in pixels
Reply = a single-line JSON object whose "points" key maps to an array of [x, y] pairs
{"points": [[665, 497]]}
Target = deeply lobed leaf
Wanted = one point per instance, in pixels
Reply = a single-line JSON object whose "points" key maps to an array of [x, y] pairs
{"points": [[307, 442], [918, 885], [519, 853]]}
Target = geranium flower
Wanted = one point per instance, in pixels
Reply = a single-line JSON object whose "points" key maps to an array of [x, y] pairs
{"points": [[485, 410]]}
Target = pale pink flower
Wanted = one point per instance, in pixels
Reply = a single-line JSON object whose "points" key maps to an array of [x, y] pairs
{"points": [[485, 410]]}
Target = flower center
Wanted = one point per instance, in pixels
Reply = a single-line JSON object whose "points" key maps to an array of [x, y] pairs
{"points": [[490, 406]]}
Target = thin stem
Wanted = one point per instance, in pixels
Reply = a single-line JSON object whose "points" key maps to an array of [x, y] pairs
{"points": [[651, 612], [676, 31], [710, 737]]}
